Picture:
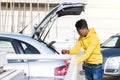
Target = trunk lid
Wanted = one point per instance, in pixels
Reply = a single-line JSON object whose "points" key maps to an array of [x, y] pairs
{"points": [[60, 10]]}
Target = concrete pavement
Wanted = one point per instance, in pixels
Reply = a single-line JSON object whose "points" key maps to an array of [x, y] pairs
{"points": [[81, 76]]}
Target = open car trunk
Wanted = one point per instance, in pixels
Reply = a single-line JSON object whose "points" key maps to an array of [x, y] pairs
{"points": [[62, 9]]}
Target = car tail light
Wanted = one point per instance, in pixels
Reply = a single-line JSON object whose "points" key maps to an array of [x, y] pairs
{"points": [[65, 61], [60, 71]]}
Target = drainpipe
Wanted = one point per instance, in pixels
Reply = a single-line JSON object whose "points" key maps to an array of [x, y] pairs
{"points": [[12, 16], [0, 18], [31, 14]]}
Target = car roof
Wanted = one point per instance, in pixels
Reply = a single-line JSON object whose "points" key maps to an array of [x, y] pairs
{"points": [[16, 36], [115, 35], [28, 39], [118, 34]]}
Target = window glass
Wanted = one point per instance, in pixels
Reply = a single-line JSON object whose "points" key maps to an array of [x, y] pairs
{"points": [[112, 42], [118, 43], [6, 46], [28, 49]]}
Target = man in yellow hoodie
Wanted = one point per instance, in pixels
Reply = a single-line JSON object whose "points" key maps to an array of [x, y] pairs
{"points": [[92, 56]]}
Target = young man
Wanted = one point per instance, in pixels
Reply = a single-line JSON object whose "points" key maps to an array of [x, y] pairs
{"points": [[92, 56]]}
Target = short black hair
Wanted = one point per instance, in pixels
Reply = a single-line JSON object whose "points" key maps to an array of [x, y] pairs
{"points": [[80, 24]]}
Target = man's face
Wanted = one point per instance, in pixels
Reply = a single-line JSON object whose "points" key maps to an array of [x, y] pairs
{"points": [[81, 32]]}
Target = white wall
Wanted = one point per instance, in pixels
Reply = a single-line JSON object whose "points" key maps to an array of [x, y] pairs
{"points": [[104, 16], [44, 1]]}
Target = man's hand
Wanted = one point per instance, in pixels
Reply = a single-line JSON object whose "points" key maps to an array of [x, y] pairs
{"points": [[67, 65], [65, 51]]}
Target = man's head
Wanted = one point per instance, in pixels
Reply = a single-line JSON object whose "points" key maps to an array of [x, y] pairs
{"points": [[82, 27]]}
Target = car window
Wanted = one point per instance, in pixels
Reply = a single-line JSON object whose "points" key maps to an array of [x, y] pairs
{"points": [[6, 46], [118, 43], [112, 42], [28, 49]]}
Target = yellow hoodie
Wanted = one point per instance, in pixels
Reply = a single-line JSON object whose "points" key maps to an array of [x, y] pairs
{"points": [[91, 46]]}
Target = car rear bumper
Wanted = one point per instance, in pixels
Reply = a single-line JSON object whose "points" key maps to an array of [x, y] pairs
{"points": [[44, 78]]}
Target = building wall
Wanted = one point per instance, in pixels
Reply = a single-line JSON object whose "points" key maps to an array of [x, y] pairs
{"points": [[103, 15], [16, 15]]}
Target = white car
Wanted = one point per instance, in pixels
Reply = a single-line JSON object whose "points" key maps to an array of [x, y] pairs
{"points": [[21, 44]]}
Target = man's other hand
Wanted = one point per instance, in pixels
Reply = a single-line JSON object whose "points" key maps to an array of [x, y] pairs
{"points": [[65, 51]]}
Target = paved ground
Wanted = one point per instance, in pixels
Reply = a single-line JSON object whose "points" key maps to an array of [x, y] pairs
{"points": [[81, 75]]}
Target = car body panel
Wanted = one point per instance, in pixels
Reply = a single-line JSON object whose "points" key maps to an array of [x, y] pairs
{"points": [[32, 67], [45, 67], [111, 48], [109, 52], [36, 68]]}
